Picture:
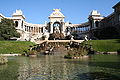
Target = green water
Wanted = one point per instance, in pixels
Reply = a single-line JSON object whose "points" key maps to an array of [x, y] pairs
{"points": [[97, 67]]}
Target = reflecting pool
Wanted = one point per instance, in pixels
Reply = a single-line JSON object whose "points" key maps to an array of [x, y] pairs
{"points": [[51, 67]]}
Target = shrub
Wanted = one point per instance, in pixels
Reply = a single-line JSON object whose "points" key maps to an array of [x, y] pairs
{"points": [[32, 52], [3, 60], [56, 36], [107, 33], [7, 29], [43, 37], [76, 52], [118, 51]]}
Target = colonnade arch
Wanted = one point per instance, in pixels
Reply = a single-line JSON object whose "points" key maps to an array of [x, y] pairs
{"points": [[16, 23], [57, 27], [34, 29]]}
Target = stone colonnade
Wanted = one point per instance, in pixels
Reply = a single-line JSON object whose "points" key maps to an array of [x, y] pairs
{"points": [[80, 29], [34, 29]]}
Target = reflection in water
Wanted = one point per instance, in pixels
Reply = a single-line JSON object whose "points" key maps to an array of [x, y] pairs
{"points": [[57, 68], [98, 76], [50, 68]]}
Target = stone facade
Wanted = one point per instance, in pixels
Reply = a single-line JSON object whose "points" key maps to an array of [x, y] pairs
{"points": [[57, 24], [32, 32], [111, 21]]}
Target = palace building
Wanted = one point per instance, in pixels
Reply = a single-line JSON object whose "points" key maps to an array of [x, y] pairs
{"points": [[57, 25], [109, 27]]}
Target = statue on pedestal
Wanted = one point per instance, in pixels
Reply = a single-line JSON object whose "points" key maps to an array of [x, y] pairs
{"points": [[72, 37], [86, 38]]}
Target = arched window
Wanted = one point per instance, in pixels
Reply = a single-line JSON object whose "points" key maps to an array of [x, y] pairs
{"points": [[91, 24], [56, 27], [42, 29], [25, 28], [22, 24], [56, 24], [16, 23], [97, 24]]}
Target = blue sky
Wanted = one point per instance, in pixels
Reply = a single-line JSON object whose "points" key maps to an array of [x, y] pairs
{"points": [[37, 11]]}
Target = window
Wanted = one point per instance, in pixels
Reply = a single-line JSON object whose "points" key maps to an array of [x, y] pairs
{"points": [[22, 24], [119, 17], [56, 27], [16, 23], [42, 29], [32, 29], [56, 24], [25, 28], [97, 24]]}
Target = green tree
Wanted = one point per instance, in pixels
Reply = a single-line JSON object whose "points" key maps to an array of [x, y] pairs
{"points": [[107, 33], [7, 29]]}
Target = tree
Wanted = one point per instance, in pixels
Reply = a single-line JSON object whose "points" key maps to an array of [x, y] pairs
{"points": [[7, 29], [107, 33]]}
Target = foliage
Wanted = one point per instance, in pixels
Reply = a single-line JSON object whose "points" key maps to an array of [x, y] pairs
{"points": [[107, 33], [32, 52], [3, 60], [7, 29], [118, 51], [56, 36], [7, 47], [110, 45], [75, 51], [43, 37]]}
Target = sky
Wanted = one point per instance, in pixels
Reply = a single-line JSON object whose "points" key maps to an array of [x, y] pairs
{"points": [[75, 11]]}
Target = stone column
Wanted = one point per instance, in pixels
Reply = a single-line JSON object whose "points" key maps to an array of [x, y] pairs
{"points": [[38, 29], [51, 27], [63, 27], [34, 29], [27, 28]]}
